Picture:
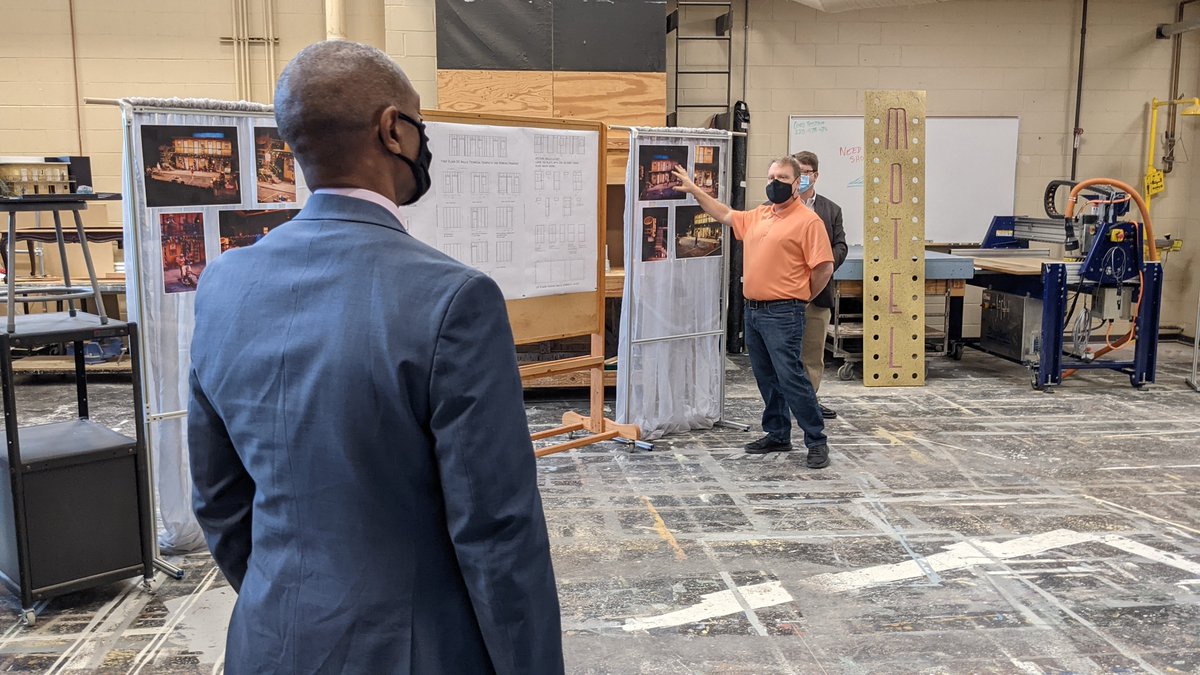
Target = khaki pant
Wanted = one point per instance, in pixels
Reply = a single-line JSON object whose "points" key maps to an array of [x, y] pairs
{"points": [[816, 320]]}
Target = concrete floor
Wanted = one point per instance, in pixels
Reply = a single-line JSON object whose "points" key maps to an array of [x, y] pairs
{"points": [[971, 526]]}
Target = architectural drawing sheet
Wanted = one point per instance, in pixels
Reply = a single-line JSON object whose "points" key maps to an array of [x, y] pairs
{"points": [[519, 204]]}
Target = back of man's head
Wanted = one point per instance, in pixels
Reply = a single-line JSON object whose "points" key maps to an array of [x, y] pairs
{"points": [[328, 102]]}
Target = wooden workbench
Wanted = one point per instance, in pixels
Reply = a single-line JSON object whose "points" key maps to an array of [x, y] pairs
{"points": [[614, 283], [62, 365], [933, 287]]}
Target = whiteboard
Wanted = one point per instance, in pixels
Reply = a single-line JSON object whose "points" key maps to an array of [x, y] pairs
{"points": [[519, 204], [971, 171]]}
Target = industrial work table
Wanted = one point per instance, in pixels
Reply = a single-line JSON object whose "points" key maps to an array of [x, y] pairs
{"points": [[945, 279]]}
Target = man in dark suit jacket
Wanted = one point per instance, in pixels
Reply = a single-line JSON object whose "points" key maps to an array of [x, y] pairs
{"points": [[820, 310], [361, 457]]}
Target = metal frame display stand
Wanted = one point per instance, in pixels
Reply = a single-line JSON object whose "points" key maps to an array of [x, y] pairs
{"points": [[721, 331]]}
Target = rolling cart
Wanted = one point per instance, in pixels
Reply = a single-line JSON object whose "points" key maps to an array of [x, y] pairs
{"points": [[77, 510]]}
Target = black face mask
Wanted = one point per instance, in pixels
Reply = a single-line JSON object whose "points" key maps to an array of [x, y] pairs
{"points": [[778, 191], [420, 168]]}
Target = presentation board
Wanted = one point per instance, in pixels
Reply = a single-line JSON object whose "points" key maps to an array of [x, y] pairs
{"points": [[971, 171], [519, 204]]}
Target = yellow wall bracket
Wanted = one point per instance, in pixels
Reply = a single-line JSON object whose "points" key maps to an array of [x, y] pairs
{"points": [[1155, 181]]}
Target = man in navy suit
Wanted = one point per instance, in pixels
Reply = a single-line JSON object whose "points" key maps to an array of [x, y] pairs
{"points": [[361, 457]]}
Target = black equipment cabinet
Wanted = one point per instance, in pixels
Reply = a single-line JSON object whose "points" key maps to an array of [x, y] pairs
{"points": [[76, 510]]}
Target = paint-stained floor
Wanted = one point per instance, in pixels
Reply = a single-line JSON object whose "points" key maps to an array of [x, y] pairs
{"points": [[971, 526]]}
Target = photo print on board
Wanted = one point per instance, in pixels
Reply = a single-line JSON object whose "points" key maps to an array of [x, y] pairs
{"points": [[697, 234], [240, 229], [655, 245], [190, 165], [708, 169], [655, 163], [276, 167], [182, 250]]}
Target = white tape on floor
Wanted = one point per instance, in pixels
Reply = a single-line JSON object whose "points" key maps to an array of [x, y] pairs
{"points": [[712, 605]]}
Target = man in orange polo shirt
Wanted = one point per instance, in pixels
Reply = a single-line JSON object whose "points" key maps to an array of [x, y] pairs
{"points": [[787, 255]]}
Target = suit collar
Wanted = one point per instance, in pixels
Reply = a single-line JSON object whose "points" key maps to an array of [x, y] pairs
{"points": [[340, 207]]}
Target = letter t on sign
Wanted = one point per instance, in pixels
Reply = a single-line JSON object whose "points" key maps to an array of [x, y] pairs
{"points": [[894, 239]]}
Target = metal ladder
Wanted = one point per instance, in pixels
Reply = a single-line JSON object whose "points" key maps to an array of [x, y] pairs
{"points": [[722, 26]]}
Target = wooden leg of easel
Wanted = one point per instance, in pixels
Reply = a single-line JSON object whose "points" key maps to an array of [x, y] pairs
{"points": [[628, 431], [577, 443], [595, 420], [596, 425]]}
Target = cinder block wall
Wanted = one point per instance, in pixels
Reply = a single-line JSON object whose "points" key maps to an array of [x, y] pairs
{"points": [[411, 40], [142, 48], [979, 57]]}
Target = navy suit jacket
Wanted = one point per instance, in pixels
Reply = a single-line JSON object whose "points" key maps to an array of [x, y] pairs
{"points": [[361, 456]]}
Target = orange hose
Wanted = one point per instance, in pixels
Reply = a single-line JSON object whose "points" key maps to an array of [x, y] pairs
{"points": [[1148, 236]]}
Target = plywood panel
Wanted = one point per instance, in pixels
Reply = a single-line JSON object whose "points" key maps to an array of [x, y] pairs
{"points": [[510, 92], [554, 317], [1016, 266], [894, 238], [630, 99], [617, 157]]}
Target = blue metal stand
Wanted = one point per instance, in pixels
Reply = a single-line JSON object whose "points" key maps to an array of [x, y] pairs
{"points": [[1113, 259], [1054, 312]]}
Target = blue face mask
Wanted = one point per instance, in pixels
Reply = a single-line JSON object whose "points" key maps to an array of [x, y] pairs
{"points": [[805, 183]]}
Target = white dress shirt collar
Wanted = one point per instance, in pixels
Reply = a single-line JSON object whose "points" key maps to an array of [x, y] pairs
{"points": [[365, 195]]}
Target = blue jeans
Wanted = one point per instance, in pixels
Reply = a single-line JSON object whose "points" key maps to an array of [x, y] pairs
{"points": [[775, 339]]}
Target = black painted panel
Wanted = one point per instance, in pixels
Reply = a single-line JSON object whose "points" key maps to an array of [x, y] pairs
{"points": [[610, 35], [494, 35], [570, 35]]}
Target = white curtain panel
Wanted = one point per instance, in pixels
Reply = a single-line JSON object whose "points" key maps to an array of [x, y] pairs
{"points": [[672, 348], [162, 305]]}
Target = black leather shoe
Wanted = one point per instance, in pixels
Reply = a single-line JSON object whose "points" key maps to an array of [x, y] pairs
{"points": [[818, 457], [767, 444], [827, 413]]}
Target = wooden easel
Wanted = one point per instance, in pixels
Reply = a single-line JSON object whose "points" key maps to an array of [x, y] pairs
{"points": [[556, 317]]}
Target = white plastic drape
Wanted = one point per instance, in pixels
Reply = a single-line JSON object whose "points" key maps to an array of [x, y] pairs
{"points": [[671, 353], [165, 317]]}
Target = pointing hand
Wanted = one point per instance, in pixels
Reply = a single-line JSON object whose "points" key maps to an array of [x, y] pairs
{"points": [[686, 184]]}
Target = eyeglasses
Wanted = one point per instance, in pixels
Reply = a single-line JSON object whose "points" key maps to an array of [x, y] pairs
{"points": [[804, 172]]}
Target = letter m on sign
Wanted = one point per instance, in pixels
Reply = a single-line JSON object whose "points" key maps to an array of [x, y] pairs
{"points": [[896, 137]]}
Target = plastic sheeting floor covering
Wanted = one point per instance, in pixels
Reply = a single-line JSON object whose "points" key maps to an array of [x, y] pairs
{"points": [[973, 525]]}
